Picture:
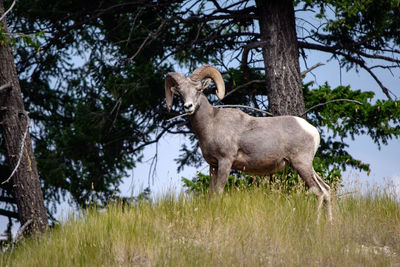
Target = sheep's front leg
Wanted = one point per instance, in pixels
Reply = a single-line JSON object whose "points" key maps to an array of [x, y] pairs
{"points": [[213, 179], [224, 168]]}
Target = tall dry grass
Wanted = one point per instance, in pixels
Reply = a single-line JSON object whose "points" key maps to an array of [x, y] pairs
{"points": [[242, 228]]}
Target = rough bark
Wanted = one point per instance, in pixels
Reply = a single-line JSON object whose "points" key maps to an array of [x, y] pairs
{"points": [[13, 123], [281, 57]]}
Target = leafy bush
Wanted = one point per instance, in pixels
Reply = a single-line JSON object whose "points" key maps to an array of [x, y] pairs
{"points": [[286, 181]]}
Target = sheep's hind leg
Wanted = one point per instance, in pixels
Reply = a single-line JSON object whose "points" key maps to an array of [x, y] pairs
{"points": [[326, 196], [317, 186]]}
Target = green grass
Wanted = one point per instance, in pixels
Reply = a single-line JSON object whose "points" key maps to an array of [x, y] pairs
{"points": [[247, 228]]}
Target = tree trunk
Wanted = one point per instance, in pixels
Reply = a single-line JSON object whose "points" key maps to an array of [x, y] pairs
{"points": [[281, 57], [14, 122]]}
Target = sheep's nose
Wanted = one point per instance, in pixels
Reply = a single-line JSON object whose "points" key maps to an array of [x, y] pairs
{"points": [[188, 106]]}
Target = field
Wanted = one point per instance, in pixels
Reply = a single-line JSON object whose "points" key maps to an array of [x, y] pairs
{"points": [[241, 228]]}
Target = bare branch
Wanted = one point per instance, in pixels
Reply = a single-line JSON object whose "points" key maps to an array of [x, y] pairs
{"points": [[360, 62], [155, 140], [21, 230], [331, 101], [179, 132], [216, 5], [242, 86], [336, 49], [388, 67], [390, 59], [5, 86], [179, 116], [384, 89], [226, 106], [8, 213], [248, 13], [150, 35], [243, 106], [20, 152], [7, 199], [133, 26], [246, 50], [18, 236], [8, 10], [303, 73]]}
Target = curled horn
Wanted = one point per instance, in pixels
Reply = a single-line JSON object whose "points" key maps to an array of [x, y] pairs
{"points": [[208, 71], [171, 80]]}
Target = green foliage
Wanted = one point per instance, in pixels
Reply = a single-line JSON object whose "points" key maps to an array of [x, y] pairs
{"points": [[285, 181], [240, 180], [13, 40], [92, 119], [337, 121], [200, 183]]}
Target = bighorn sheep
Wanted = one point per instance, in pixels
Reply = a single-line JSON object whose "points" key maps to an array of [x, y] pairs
{"points": [[231, 139]]}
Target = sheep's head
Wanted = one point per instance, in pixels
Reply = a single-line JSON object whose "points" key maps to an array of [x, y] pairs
{"points": [[191, 88]]}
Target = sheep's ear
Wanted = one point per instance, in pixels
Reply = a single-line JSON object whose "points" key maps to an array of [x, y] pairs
{"points": [[173, 89], [205, 84]]}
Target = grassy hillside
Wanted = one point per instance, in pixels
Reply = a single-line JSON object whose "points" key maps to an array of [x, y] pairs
{"points": [[248, 228]]}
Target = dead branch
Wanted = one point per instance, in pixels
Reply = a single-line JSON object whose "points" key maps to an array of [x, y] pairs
{"points": [[5, 86], [240, 87], [179, 116], [303, 73], [155, 140], [21, 230], [385, 90], [336, 50], [7, 199], [20, 152], [245, 54], [331, 101], [243, 106], [8, 213], [152, 35], [226, 106], [133, 26], [8, 10]]}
